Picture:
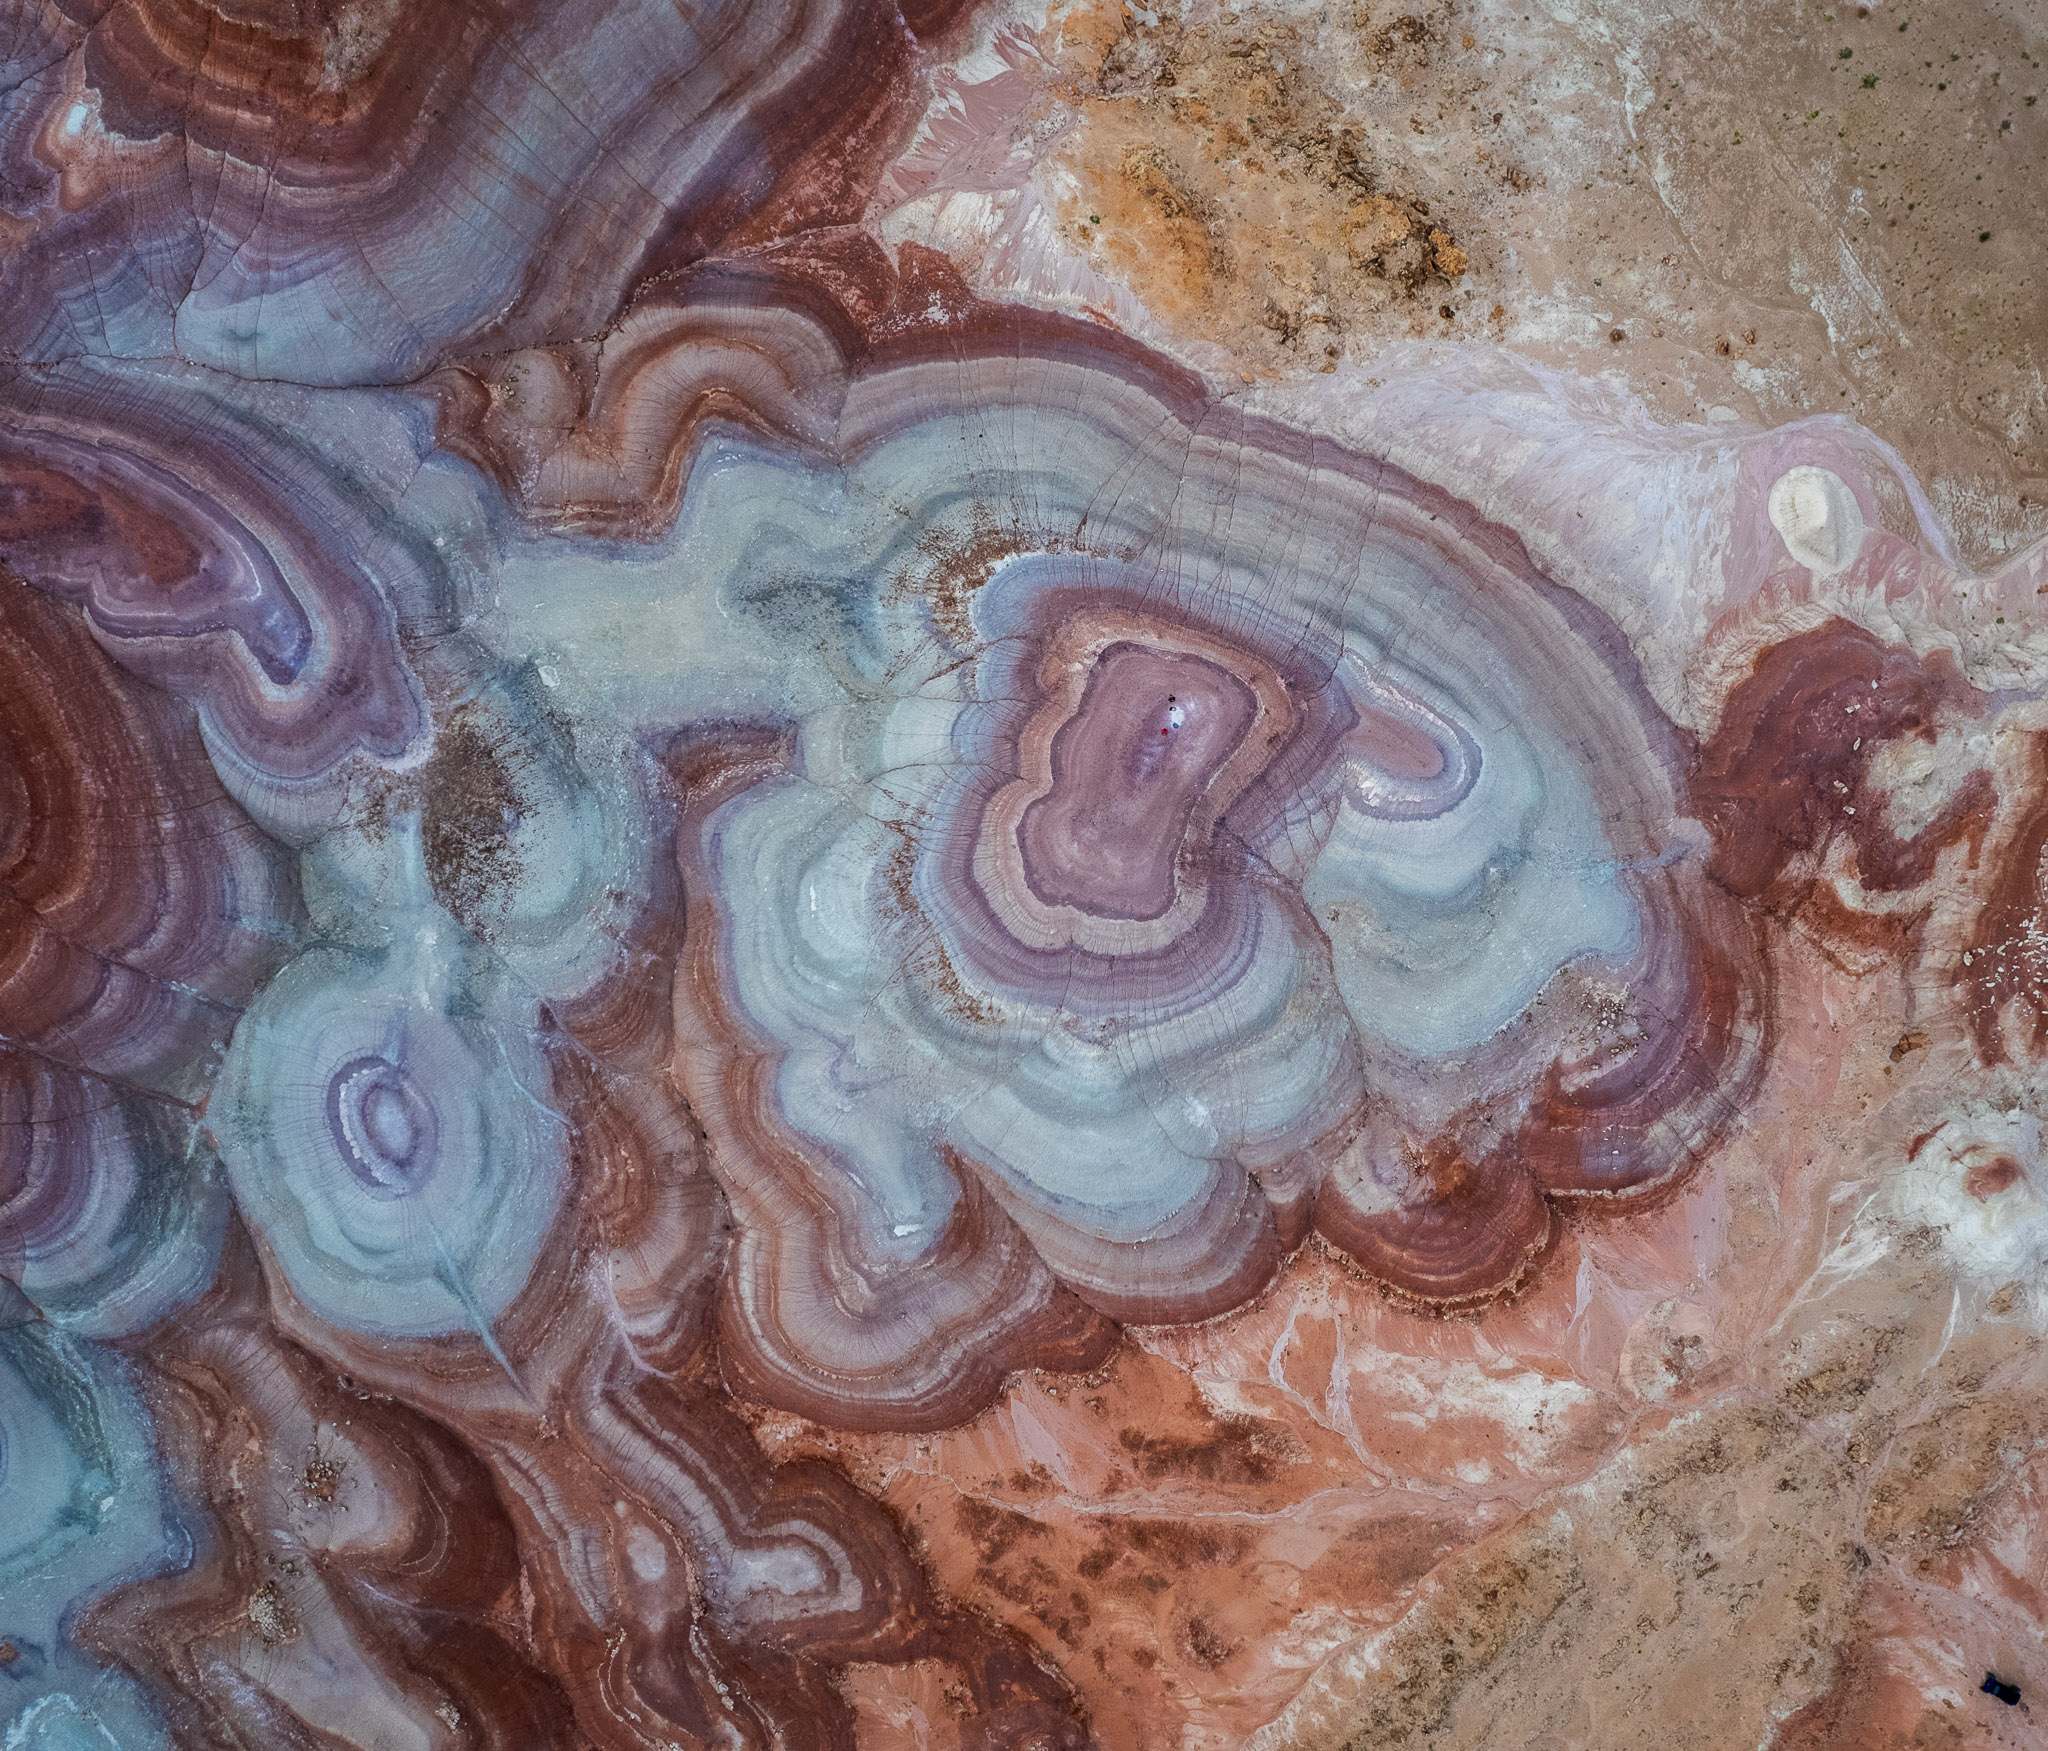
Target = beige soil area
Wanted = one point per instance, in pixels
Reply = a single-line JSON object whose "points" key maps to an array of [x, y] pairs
{"points": [[1740, 211]]}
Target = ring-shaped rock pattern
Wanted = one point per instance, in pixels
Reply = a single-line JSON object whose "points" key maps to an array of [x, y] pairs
{"points": [[1204, 832]]}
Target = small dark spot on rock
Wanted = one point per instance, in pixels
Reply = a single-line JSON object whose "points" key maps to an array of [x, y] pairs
{"points": [[471, 806], [1235, 1454], [994, 1531], [271, 1615], [1204, 1646], [322, 1479]]}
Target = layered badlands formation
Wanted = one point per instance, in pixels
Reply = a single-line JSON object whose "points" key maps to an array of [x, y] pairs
{"points": [[751, 998]]}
